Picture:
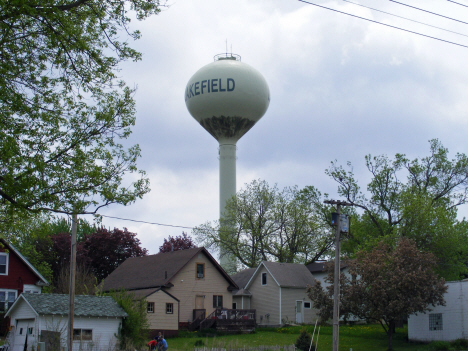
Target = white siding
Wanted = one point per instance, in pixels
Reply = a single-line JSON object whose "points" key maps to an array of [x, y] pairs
{"points": [[289, 296], [104, 331], [454, 317], [265, 299]]}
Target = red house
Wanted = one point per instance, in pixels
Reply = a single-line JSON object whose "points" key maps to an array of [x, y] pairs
{"points": [[17, 275]]}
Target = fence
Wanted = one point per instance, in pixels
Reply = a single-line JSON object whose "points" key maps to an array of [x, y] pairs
{"points": [[256, 348]]}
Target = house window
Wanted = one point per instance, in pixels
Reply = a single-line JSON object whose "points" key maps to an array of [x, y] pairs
{"points": [[3, 263], [217, 301], [435, 321], [200, 270], [30, 331], [83, 334], [306, 304], [7, 298], [234, 305], [169, 308], [264, 279], [150, 307]]}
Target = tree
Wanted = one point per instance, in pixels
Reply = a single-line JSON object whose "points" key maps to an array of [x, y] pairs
{"points": [[107, 249], [134, 332], [386, 285], [262, 223], [181, 242], [63, 108], [85, 282], [422, 206]]}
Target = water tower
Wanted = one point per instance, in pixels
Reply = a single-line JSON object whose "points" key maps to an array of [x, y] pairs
{"points": [[227, 97]]}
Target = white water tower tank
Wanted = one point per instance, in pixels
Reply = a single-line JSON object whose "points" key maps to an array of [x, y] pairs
{"points": [[227, 97]]}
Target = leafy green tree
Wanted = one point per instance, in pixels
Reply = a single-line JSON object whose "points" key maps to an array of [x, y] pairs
{"points": [[384, 285], [63, 109], [417, 199], [262, 223]]}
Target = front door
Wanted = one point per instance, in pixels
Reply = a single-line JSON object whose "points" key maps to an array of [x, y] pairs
{"points": [[199, 312], [299, 318]]}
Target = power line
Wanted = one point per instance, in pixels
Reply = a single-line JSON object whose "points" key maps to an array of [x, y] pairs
{"points": [[457, 3], [405, 18], [432, 13], [134, 220], [384, 24]]}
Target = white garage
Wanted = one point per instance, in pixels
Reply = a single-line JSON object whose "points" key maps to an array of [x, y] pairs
{"points": [[44, 317]]}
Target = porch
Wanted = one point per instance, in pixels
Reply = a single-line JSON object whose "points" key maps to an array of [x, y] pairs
{"points": [[224, 319]]}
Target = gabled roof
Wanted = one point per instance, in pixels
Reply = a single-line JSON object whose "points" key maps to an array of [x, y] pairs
{"points": [[150, 271], [42, 281], [58, 304], [286, 275]]}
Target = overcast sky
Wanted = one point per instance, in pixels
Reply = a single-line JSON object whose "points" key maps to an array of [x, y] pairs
{"points": [[340, 88]]}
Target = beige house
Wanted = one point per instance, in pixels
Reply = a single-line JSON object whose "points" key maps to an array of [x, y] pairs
{"points": [[191, 281], [277, 291]]}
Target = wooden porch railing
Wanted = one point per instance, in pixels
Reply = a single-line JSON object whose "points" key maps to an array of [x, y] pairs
{"points": [[225, 319]]}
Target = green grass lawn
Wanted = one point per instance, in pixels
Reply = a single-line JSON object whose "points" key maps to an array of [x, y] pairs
{"points": [[359, 338]]}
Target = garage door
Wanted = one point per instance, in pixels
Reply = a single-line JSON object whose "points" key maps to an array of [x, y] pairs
{"points": [[24, 327]]}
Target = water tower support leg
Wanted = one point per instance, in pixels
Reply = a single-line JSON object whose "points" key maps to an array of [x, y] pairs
{"points": [[227, 189]]}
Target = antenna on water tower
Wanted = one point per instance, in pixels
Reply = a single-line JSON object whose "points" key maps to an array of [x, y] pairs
{"points": [[227, 97]]}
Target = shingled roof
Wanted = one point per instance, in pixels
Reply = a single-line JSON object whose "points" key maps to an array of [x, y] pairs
{"points": [[242, 278], [58, 304], [287, 275], [155, 271]]}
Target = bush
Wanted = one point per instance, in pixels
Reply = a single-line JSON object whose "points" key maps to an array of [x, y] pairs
{"points": [[440, 346], [199, 342], [460, 344], [303, 341], [134, 332]]}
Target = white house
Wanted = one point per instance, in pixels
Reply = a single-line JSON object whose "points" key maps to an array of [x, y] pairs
{"points": [[447, 323], [44, 317], [277, 291]]}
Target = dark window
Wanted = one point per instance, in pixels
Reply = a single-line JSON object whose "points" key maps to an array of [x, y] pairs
{"points": [[169, 308], [7, 298], [150, 307], [234, 305], [83, 334], [200, 270], [306, 304], [30, 331], [21, 331], [264, 279], [217, 301], [435, 321], [3, 263]]}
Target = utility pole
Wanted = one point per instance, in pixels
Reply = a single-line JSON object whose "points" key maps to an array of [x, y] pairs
{"points": [[336, 277], [71, 309]]}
